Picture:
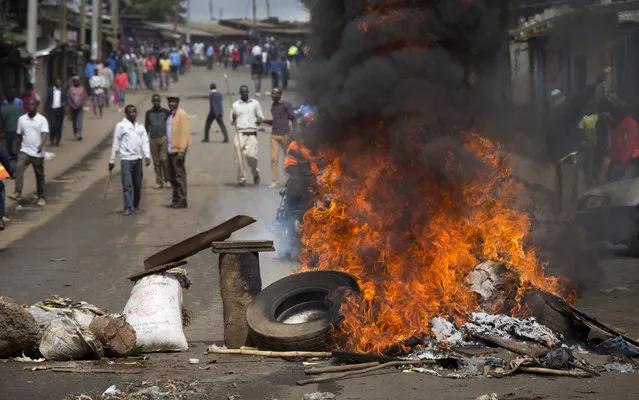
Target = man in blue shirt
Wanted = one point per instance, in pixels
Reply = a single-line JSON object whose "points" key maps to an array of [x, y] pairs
{"points": [[275, 66], [176, 60], [89, 71], [210, 53]]}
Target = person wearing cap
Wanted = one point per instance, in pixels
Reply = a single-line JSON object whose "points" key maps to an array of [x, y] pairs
{"points": [[178, 139]]}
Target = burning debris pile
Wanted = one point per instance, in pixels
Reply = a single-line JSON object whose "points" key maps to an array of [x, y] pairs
{"points": [[423, 209]]}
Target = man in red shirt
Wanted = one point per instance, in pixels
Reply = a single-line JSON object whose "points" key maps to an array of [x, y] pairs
{"points": [[149, 68], [624, 146]]}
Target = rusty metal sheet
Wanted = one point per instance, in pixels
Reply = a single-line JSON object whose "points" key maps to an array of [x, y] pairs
{"points": [[197, 243], [242, 246]]}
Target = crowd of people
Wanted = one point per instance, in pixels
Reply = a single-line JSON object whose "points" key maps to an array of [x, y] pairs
{"points": [[584, 132], [164, 136]]}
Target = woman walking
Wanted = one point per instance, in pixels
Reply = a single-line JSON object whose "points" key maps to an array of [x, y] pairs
{"points": [[121, 84]]}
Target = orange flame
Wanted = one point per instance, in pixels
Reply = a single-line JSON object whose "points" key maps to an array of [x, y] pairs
{"points": [[411, 236]]}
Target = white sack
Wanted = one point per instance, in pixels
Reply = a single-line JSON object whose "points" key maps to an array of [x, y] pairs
{"points": [[154, 310]]}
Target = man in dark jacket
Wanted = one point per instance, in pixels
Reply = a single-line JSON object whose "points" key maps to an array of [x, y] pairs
{"points": [[5, 169], [155, 124], [216, 113], [563, 142], [54, 108]]}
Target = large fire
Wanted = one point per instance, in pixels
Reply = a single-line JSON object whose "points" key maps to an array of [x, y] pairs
{"points": [[411, 230]]}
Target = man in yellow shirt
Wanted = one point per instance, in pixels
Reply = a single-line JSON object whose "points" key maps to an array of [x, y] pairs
{"points": [[165, 70]]}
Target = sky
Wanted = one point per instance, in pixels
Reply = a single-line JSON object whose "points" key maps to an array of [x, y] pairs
{"points": [[283, 9]]}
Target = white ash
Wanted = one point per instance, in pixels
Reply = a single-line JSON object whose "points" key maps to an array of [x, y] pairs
{"points": [[505, 326], [445, 332]]}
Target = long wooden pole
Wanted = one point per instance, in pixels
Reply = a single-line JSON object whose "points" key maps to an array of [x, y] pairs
{"points": [[340, 375], [266, 353]]}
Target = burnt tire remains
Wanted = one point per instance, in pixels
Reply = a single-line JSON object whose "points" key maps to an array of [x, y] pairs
{"points": [[299, 311]]}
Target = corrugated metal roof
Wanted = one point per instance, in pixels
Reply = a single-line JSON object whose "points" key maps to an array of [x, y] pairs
{"points": [[217, 29], [181, 29]]}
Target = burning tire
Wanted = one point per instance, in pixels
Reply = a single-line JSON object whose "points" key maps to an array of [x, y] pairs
{"points": [[298, 312]]}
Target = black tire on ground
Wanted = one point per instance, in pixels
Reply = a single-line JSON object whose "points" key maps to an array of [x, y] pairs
{"points": [[294, 293]]}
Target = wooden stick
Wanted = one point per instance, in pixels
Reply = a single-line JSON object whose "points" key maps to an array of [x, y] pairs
{"points": [[350, 367], [95, 371], [106, 186], [267, 353], [549, 371], [361, 371]]}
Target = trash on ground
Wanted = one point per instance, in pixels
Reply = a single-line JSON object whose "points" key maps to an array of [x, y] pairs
{"points": [[63, 339], [617, 345], [319, 396], [194, 361], [492, 396], [27, 359]]}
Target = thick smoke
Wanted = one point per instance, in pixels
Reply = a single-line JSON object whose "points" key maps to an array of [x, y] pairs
{"points": [[407, 63]]}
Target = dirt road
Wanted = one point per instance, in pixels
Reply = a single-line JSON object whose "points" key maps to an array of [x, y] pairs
{"points": [[100, 247]]}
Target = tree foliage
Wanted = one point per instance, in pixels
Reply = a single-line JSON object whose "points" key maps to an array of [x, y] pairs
{"points": [[307, 4], [156, 10]]}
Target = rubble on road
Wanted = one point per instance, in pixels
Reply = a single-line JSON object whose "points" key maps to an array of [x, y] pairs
{"points": [[169, 389], [19, 331]]}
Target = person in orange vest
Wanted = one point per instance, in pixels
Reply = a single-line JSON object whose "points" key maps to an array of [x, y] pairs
{"points": [[5, 173], [298, 156]]}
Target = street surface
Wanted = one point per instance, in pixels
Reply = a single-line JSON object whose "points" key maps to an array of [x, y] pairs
{"points": [[99, 248]]}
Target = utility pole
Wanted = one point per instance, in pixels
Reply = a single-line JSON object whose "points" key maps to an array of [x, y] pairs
{"points": [[254, 12], [176, 17], [188, 21], [100, 49], [63, 38], [95, 11], [115, 22], [83, 36], [268, 9], [32, 36]]}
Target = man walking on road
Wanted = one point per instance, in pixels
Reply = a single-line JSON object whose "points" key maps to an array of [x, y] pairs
{"points": [[32, 134], [97, 93], [246, 115], [108, 75], [54, 108], [131, 141], [216, 113], [77, 96], [257, 69], [283, 118], [155, 124], [9, 114], [178, 136]]}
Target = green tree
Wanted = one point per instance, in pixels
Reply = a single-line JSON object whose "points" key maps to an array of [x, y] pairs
{"points": [[307, 3], [156, 10]]}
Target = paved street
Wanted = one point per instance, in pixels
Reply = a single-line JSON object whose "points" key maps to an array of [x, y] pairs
{"points": [[100, 247]]}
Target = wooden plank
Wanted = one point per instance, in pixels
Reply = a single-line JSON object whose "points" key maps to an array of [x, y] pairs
{"points": [[155, 270], [199, 242], [573, 313], [242, 251], [235, 244]]}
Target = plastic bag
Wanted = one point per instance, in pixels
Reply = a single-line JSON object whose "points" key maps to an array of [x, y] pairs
{"points": [[64, 340], [154, 310]]}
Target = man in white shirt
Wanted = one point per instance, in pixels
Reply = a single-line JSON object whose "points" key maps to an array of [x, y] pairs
{"points": [[246, 115], [31, 136], [256, 51], [132, 142], [97, 88]]}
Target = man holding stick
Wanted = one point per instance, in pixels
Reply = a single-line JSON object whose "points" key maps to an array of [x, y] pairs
{"points": [[246, 115]]}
